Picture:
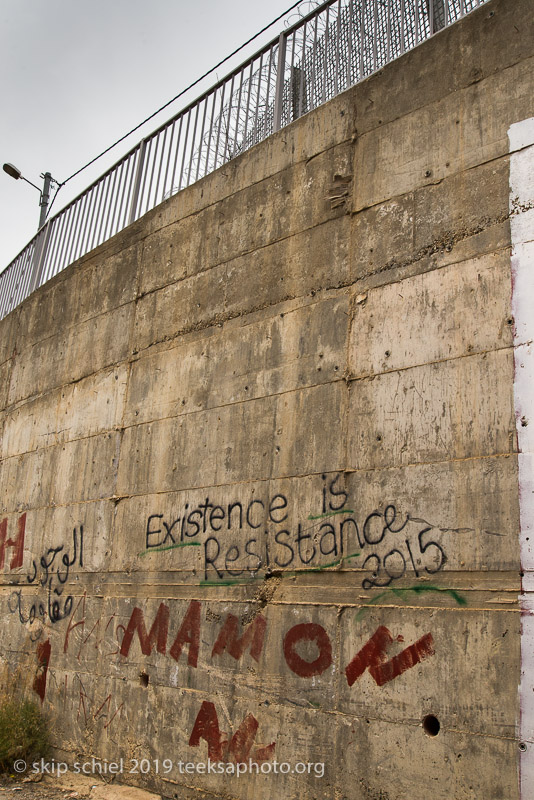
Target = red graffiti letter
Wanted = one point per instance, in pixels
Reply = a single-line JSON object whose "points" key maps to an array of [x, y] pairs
{"points": [[228, 638], [373, 656], [207, 727], [412, 655], [158, 631], [189, 632], [307, 632], [17, 544], [243, 739]]}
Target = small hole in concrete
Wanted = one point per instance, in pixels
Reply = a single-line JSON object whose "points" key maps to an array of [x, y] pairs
{"points": [[378, 438], [522, 747], [143, 679], [431, 725]]}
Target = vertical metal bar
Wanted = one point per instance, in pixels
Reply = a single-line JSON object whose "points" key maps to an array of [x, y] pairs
{"points": [[91, 226], [168, 161], [193, 145], [223, 88], [48, 260], [137, 184], [184, 150], [4, 287], [154, 140], [375, 34], [271, 56], [314, 64], [17, 282], [247, 109], [177, 154], [98, 206], [106, 234], [337, 46], [362, 38], [130, 175], [292, 93], [350, 44], [8, 283], [118, 194], [257, 139], [388, 32], [431, 16], [160, 165], [124, 195], [402, 25], [325, 63], [206, 169], [302, 85], [68, 235], [143, 196], [103, 220], [80, 228], [205, 101], [76, 222], [225, 150], [62, 240], [279, 91], [238, 112], [417, 23]]}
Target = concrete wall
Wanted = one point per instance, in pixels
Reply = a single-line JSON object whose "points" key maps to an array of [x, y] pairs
{"points": [[259, 479]]}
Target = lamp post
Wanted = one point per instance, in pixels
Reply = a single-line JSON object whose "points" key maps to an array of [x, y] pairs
{"points": [[44, 193]]}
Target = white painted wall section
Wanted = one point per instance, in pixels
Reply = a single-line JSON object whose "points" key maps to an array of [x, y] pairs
{"points": [[521, 137]]}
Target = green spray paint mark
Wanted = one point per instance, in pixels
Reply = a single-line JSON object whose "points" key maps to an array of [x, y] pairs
{"points": [[169, 547], [332, 513], [324, 566], [418, 589], [283, 574]]}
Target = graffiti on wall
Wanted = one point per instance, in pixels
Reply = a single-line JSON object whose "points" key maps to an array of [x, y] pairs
{"points": [[15, 545], [48, 574], [240, 539]]}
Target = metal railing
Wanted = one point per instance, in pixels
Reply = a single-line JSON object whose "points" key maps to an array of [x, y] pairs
{"points": [[335, 46]]}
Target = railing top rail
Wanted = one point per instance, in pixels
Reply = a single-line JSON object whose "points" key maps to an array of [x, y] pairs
{"points": [[348, 41]]}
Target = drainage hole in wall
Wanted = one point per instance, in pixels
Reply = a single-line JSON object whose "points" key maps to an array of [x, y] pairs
{"points": [[431, 725], [522, 747], [143, 679]]}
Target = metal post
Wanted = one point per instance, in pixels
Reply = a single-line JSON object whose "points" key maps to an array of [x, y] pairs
{"points": [[437, 15], [45, 197], [39, 254], [279, 91]]}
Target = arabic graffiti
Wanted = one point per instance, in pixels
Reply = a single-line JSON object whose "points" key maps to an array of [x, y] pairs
{"points": [[49, 573]]}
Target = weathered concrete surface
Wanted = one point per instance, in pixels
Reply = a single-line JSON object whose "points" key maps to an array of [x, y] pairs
{"points": [[260, 412]]}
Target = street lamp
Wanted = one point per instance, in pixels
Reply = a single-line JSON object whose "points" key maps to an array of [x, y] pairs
{"points": [[44, 194]]}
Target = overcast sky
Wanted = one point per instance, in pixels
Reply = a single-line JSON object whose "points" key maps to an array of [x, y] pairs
{"points": [[75, 76]]}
